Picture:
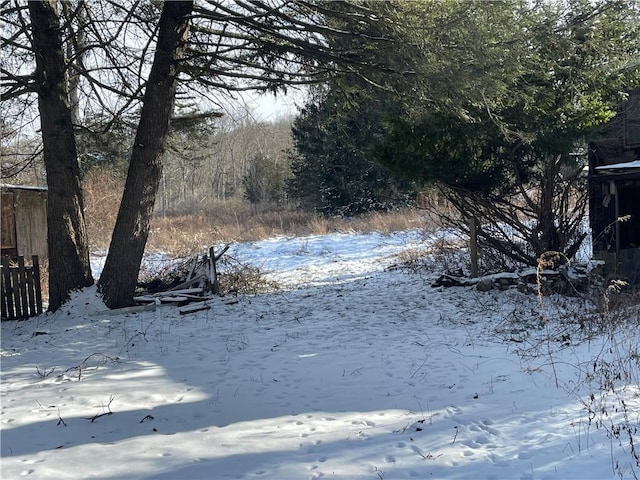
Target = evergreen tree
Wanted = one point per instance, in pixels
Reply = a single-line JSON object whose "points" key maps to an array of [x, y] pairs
{"points": [[503, 97], [332, 170], [513, 163]]}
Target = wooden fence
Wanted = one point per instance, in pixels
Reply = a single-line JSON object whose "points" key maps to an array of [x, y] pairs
{"points": [[21, 293]]}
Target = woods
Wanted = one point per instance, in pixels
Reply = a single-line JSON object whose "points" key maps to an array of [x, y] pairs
{"points": [[267, 48], [490, 102]]}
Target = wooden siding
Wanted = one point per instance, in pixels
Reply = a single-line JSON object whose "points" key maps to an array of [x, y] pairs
{"points": [[8, 225], [24, 222]]}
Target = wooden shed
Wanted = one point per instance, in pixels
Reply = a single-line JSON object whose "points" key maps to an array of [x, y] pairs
{"points": [[24, 221], [614, 192]]}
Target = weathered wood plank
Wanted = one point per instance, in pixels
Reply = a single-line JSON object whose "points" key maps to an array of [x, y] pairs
{"points": [[188, 293], [194, 307], [21, 290], [37, 281], [134, 309], [31, 294], [22, 287], [8, 288], [15, 293], [184, 291]]}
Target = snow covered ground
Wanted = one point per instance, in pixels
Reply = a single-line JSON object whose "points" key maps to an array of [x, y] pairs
{"points": [[365, 373]]}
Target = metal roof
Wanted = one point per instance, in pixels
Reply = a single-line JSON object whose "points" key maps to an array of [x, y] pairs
{"points": [[7, 186]]}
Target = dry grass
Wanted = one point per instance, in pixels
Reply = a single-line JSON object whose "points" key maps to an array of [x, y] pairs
{"points": [[222, 222], [190, 234], [44, 279], [227, 221], [102, 193]]}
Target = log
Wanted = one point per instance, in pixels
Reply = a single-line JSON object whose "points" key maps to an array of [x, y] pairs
{"points": [[135, 309], [184, 291], [174, 299], [195, 307], [188, 283]]}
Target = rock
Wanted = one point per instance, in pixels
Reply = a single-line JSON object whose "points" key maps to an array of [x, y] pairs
{"points": [[484, 285]]}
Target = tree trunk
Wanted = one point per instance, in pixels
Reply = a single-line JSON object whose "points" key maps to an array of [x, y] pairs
{"points": [[118, 280], [549, 239], [74, 52], [69, 266]]}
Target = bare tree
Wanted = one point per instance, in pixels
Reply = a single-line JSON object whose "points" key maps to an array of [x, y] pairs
{"points": [[544, 214]]}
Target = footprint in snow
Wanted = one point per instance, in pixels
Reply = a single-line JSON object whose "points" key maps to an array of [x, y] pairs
{"points": [[497, 460], [483, 440], [524, 455]]}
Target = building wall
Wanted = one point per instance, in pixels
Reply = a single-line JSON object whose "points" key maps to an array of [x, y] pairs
{"points": [[614, 202], [30, 221], [8, 224]]}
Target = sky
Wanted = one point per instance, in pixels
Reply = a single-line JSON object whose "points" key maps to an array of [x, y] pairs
{"points": [[266, 107], [354, 368]]}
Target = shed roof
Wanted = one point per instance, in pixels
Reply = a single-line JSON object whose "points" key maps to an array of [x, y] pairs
{"points": [[620, 166], [8, 186]]}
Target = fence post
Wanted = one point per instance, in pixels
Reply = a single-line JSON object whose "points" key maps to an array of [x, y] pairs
{"points": [[31, 290], [15, 293], [7, 294], [36, 278], [22, 287]]}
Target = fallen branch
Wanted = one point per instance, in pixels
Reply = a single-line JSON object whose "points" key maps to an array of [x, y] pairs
{"points": [[196, 307], [60, 420], [83, 365], [188, 283], [103, 413], [135, 309]]}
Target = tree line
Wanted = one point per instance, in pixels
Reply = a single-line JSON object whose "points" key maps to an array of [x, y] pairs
{"points": [[490, 101], [152, 63]]}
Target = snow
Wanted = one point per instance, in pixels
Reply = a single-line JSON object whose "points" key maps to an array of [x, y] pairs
{"points": [[325, 259], [618, 166], [351, 371]]}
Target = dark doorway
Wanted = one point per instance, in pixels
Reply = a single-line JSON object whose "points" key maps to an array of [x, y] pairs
{"points": [[629, 215]]}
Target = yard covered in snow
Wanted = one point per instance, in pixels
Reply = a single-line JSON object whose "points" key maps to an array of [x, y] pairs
{"points": [[352, 370]]}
